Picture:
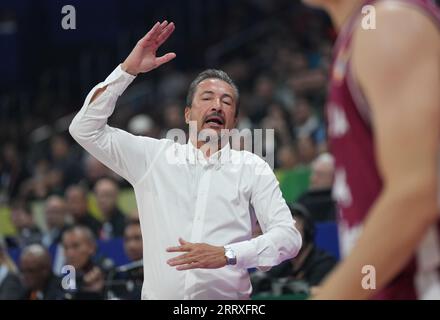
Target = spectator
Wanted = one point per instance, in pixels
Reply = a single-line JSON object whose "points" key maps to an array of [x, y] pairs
{"points": [[27, 232], [264, 92], [306, 149], [323, 170], [12, 172], [307, 124], [127, 284], [106, 192], [312, 264], [172, 117], [56, 216], [133, 240], [277, 120], [94, 170], [76, 199], [80, 251], [39, 281], [10, 285], [43, 178], [318, 199], [287, 157], [172, 84], [65, 162], [142, 125]]}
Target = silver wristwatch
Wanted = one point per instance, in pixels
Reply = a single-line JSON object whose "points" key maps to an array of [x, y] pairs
{"points": [[231, 259]]}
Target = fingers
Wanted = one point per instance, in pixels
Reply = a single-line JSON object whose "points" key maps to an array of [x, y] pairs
{"points": [[185, 262], [165, 34], [153, 35], [198, 255], [183, 248], [150, 34], [165, 58], [194, 265], [182, 259]]}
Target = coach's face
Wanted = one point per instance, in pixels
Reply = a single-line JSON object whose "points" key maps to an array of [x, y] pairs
{"points": [[213, 106]]}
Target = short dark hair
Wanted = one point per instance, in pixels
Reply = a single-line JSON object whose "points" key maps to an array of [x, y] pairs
{"points": [[300, 211], [78, 187], [212, 74], [132, 222], [85, 230]]}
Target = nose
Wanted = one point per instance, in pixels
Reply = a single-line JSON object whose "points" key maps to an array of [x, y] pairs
{"points": [[217, 105]]}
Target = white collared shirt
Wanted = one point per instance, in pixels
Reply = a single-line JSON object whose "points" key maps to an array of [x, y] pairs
{"points": [[180, 193]]}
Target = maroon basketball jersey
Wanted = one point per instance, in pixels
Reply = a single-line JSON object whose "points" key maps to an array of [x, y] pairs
{"points": [[357, 181]]}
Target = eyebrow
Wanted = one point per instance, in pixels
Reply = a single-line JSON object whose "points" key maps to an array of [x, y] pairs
{"points": [[223, 95]]}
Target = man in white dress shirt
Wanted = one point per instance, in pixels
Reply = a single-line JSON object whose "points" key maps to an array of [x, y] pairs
{"points": [[197, 201]]}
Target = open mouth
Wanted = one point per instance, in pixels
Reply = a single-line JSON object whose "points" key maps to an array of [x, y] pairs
{"points": [[215, 121]]}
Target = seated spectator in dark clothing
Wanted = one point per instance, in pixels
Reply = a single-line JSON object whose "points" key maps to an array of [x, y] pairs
{"points": [[133, 240], [307, 149], [80, 252], [94, 170], [320, 203], [323, 172], [76, 199], [318, 199], [38, 280], [10, 284], [307, 123], [125, 282], [65, 161], [55, 211], [13, 171], [311, 264], [106, 192], [27, 232]]}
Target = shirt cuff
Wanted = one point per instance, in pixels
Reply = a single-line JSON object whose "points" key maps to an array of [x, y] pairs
{"points": [[118, 81], [246, 254]]}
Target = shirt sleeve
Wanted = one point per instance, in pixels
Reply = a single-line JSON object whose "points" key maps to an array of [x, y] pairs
{"points": [[124, 153], [280, 239]]}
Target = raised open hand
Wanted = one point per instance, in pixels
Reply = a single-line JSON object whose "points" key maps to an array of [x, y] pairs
{"points": [[143, 57]]}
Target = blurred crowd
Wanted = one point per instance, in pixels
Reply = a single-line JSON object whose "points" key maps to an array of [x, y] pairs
{"points": [[279, 60]]}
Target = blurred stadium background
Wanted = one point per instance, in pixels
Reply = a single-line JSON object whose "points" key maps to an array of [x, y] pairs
{"points": [[278, 52]]}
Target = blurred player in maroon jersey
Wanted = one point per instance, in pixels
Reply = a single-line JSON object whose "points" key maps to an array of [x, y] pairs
{"points": [[384, 130]]}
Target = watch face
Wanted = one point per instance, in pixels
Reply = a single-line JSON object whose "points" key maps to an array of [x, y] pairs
{"points": [[230, 257]]}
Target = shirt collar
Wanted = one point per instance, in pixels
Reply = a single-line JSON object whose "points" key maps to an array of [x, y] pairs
{"points": [[195, 155]]}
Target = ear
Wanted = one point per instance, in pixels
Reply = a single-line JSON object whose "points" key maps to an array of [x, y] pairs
{"points": [[187, 114]]}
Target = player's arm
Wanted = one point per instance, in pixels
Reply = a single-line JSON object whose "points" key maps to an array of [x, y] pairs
{"points": [[120, 151], [398, 67]]}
